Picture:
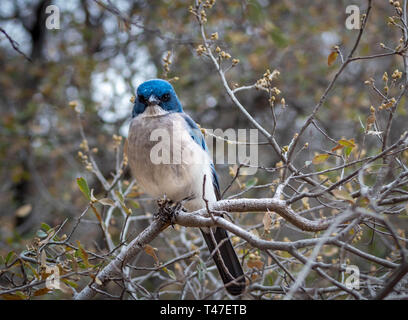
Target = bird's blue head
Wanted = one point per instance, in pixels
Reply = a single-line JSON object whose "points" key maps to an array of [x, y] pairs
{"points": [[156, 92]]}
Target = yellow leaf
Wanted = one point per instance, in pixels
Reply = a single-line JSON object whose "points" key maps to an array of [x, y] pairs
{"points": [[84, 254], [319, 158], [134, 194], [305, 202], [332, 57], [347, 143], [170, 273]]}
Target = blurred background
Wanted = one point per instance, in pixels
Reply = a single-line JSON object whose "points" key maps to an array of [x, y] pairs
{"points": [[98, 60]]}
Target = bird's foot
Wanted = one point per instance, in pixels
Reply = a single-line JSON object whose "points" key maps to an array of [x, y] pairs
{"points": [[168, 209]]}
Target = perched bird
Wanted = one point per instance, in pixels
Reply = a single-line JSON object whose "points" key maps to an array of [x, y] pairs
{"points": [[178, 170]]}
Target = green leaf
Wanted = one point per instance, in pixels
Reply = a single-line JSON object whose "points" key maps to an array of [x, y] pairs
{"points": [[82, 265], [122, 202], [83, 186], [28, 265], [250, 183], [70, 283], [9, 255], [347, 150], [170, 273], [45, 226], [135, 204], [120, 196], [41, 234]]}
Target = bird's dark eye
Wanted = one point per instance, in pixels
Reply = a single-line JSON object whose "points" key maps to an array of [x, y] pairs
{"points": [[142, 99], [165, 97]]}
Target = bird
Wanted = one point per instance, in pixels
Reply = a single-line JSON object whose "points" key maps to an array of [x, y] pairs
{"points": [[182, 171]]}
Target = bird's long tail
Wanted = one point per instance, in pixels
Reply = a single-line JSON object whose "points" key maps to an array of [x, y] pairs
{"points": [[226, 260]]}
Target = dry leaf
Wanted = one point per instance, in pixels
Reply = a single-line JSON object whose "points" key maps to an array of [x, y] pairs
{"points": [[41, 292], [339, 146], [107, 202], [43, 259], [332, 57], [254, 276], [255, 263], [151, 252], [267, 221], [11, 297]]}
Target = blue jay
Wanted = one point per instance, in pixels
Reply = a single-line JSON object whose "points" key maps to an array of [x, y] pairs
{"points": [[179, 172]]}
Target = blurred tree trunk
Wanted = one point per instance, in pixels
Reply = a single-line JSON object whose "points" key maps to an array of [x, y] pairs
{"points": [[37, 32]]}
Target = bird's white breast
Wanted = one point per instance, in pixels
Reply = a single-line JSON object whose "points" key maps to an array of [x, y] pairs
{"points": [[184, 175]]}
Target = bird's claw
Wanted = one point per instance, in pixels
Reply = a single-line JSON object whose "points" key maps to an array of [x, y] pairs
{"points": [[168, 209]]}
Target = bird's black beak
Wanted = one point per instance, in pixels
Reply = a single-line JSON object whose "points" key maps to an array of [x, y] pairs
{"points": [[153, 101]]}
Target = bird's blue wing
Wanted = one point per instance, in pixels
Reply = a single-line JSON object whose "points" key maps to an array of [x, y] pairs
{"points": [[198, 138]]}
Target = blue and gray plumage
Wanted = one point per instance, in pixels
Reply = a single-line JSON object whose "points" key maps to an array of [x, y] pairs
{"points": [[168, 156]]}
